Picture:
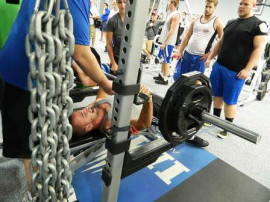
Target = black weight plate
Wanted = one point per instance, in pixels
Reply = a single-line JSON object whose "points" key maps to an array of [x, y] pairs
{"points": [[172, 96], [186, 122]]}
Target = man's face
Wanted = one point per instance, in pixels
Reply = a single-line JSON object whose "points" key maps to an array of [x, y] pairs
{"points": [[245, 8], [88, 118], [121, 6], [115, 6], [209, 8], [170, 5], [153, 17]]}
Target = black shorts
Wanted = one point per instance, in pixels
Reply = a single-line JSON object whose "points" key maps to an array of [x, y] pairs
{"points": [[16, 126]]}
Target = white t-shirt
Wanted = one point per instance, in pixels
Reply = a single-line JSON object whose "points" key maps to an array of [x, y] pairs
{"points": [[94, 12]]}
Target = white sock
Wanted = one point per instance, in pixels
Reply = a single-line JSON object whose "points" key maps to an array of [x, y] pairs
{"points": [[164, 77]]}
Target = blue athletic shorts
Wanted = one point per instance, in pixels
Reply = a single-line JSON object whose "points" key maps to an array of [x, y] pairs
{"points": [[165, 55], [226, 84], [192, 63]]}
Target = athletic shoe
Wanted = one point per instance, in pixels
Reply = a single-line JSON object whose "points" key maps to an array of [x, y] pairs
{"points": [[223, 134], [159, 77], [157, 61], [206, 124], [162, 82], [198, 142]]}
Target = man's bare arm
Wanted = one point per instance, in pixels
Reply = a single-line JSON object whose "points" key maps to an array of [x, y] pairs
{"points": [[109, 39], [174, 25], [145, 118], [258, 48], [87, 61]]}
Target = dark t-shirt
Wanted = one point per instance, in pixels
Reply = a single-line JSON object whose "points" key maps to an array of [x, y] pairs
{"points": [[151, 31], [238, 42], [116, 26]]}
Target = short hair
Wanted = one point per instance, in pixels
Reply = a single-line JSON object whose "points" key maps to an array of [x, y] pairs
{"points": [[77, 128], [106, 4], [175, 2], [212, 1]]}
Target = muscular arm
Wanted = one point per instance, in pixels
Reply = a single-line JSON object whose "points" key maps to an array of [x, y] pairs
{"points": [[214, 52], [184, 42], [216, 49], [174, 25], [258, 48], [83, 78], [145, 118], [219, 28], [87, 61], [109, 39]]}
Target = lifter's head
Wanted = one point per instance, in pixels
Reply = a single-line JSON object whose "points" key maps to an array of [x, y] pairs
{"points": [[87, 119]]}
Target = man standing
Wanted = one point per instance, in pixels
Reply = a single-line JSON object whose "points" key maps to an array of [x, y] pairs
{"points": [[168, 39], [94, 14], [151, 30], [239, 49], [114, 9], [14, 72], [197, 41], [104, 19], [114, 34]]}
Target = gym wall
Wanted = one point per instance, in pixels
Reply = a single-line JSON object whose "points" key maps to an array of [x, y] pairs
{"points": [[226, 9]]}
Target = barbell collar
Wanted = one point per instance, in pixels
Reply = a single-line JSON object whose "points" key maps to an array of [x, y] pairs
{"points": [[230, 127]]}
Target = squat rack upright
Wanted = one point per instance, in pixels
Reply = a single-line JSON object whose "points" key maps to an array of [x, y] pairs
{"points": [[125, 87]]}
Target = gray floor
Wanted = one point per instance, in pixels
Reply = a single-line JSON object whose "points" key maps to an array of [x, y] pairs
{"points": [[251, 159]]}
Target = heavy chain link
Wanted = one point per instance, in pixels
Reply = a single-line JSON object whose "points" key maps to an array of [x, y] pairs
{"points": [[49, 46]]}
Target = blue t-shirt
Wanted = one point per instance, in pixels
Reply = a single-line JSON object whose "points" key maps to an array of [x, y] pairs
{"points": [[105, 16], [14, 64]]}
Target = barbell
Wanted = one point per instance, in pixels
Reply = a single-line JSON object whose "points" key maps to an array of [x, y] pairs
{"points": [[186, 107]]}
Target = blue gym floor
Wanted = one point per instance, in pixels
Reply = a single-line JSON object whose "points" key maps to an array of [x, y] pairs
{"points": [[163, 179], [171, 169]]}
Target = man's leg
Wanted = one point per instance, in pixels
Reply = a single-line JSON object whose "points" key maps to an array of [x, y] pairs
{"points": [[231, 92], [160, 57], [16, 126], [166, 54], [145, 50], [218, 104], [26, 163], [149, 44], [229, 111], [165, 70], [163, 77], [93, 42]]}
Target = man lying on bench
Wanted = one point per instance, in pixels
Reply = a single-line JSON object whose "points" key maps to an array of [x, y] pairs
{"points": [[97, 116]]}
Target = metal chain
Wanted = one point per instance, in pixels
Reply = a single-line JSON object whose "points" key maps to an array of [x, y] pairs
{"points": [[49, 46]]}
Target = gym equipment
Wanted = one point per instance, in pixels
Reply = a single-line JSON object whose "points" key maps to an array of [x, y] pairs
{"points": [[49, 46], [186, 106], [255, 86], [265, 75]]}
